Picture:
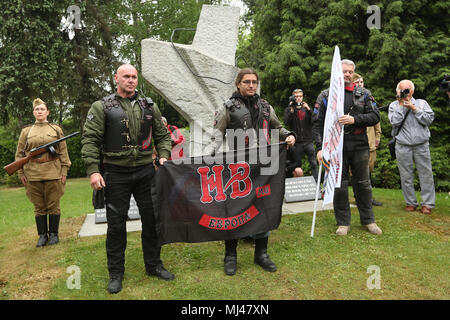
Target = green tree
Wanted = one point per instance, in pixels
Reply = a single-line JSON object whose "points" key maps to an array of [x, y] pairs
{"points": [[70, 69], [92, 59], [291, 44], [31, 50], [40, 59]]}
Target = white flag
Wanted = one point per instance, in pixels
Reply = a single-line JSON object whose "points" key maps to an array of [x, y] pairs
{"points": [[333, 133]]}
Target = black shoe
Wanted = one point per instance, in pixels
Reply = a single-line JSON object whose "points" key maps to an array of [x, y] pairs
{"points": [[42, 241], [376, 203], [53, 238], [53, 228], [264, 261], [161, 273], [230, 265], [115, 283], [41, 224]]}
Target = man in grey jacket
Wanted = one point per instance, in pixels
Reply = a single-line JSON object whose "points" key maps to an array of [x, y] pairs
{"points": [[412, 146]]}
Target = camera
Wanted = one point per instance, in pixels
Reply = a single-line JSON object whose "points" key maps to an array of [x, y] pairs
{"points": [[404, 93], [444, 85], [292, 99], [293, 102], [358, 91]]}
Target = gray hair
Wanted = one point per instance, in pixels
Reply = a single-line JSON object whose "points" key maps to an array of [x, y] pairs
{"points": [[348, 62], [411, 84]]}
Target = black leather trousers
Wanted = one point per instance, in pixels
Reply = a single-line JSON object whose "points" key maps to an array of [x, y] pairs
{"points": [[121, 183]]}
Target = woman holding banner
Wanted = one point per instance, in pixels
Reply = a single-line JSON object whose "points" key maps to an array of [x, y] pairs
{"points": [[246, 110]]}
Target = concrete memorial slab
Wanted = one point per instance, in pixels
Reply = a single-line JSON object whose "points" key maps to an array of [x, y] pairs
{"points": [[300, 189], [133, 212], [90, 228]]}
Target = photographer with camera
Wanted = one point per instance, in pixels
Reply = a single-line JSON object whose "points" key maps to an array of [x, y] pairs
{"points": [[298, 116], [413, 117]]}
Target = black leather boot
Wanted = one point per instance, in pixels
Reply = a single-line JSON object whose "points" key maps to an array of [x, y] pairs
{"points": [[230, 260], [53, 227], [115, 283], [41, 224], [261, 257]]}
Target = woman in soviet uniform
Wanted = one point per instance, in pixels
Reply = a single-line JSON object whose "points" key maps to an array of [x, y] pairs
{"points": [[44, 176]]}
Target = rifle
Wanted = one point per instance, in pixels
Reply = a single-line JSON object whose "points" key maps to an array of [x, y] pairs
{"points": [[50, 147]]}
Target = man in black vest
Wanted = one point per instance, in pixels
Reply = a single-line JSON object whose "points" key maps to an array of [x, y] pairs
{"points": [[359, 113], [246, 110], [121, 127]]}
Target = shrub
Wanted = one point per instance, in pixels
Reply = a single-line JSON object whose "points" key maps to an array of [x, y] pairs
{"points": [[12, 180], [74, 148]]}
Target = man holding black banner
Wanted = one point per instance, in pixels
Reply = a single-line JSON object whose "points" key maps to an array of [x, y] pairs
{"points": [[122, 127], [358, 114], [246, 110]]}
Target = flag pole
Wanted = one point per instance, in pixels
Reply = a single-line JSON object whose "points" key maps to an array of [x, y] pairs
{"points": [[315, 202]]}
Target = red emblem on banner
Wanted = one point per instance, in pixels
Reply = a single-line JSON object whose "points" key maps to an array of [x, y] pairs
{"points": [[240, 173], [229, 223], [263, 191]]}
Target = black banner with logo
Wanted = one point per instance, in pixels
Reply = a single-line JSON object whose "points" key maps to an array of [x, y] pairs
{"points": [[229, 196]]}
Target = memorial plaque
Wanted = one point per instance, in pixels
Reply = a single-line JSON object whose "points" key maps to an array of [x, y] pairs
{"points": [[133, 212], [300, 189]]}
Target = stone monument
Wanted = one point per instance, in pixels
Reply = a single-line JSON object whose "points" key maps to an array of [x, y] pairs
{"points": [[300, 189], [196, 79]]}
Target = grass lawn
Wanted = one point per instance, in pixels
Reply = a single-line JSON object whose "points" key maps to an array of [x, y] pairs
{"points": [[411, 257]]}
